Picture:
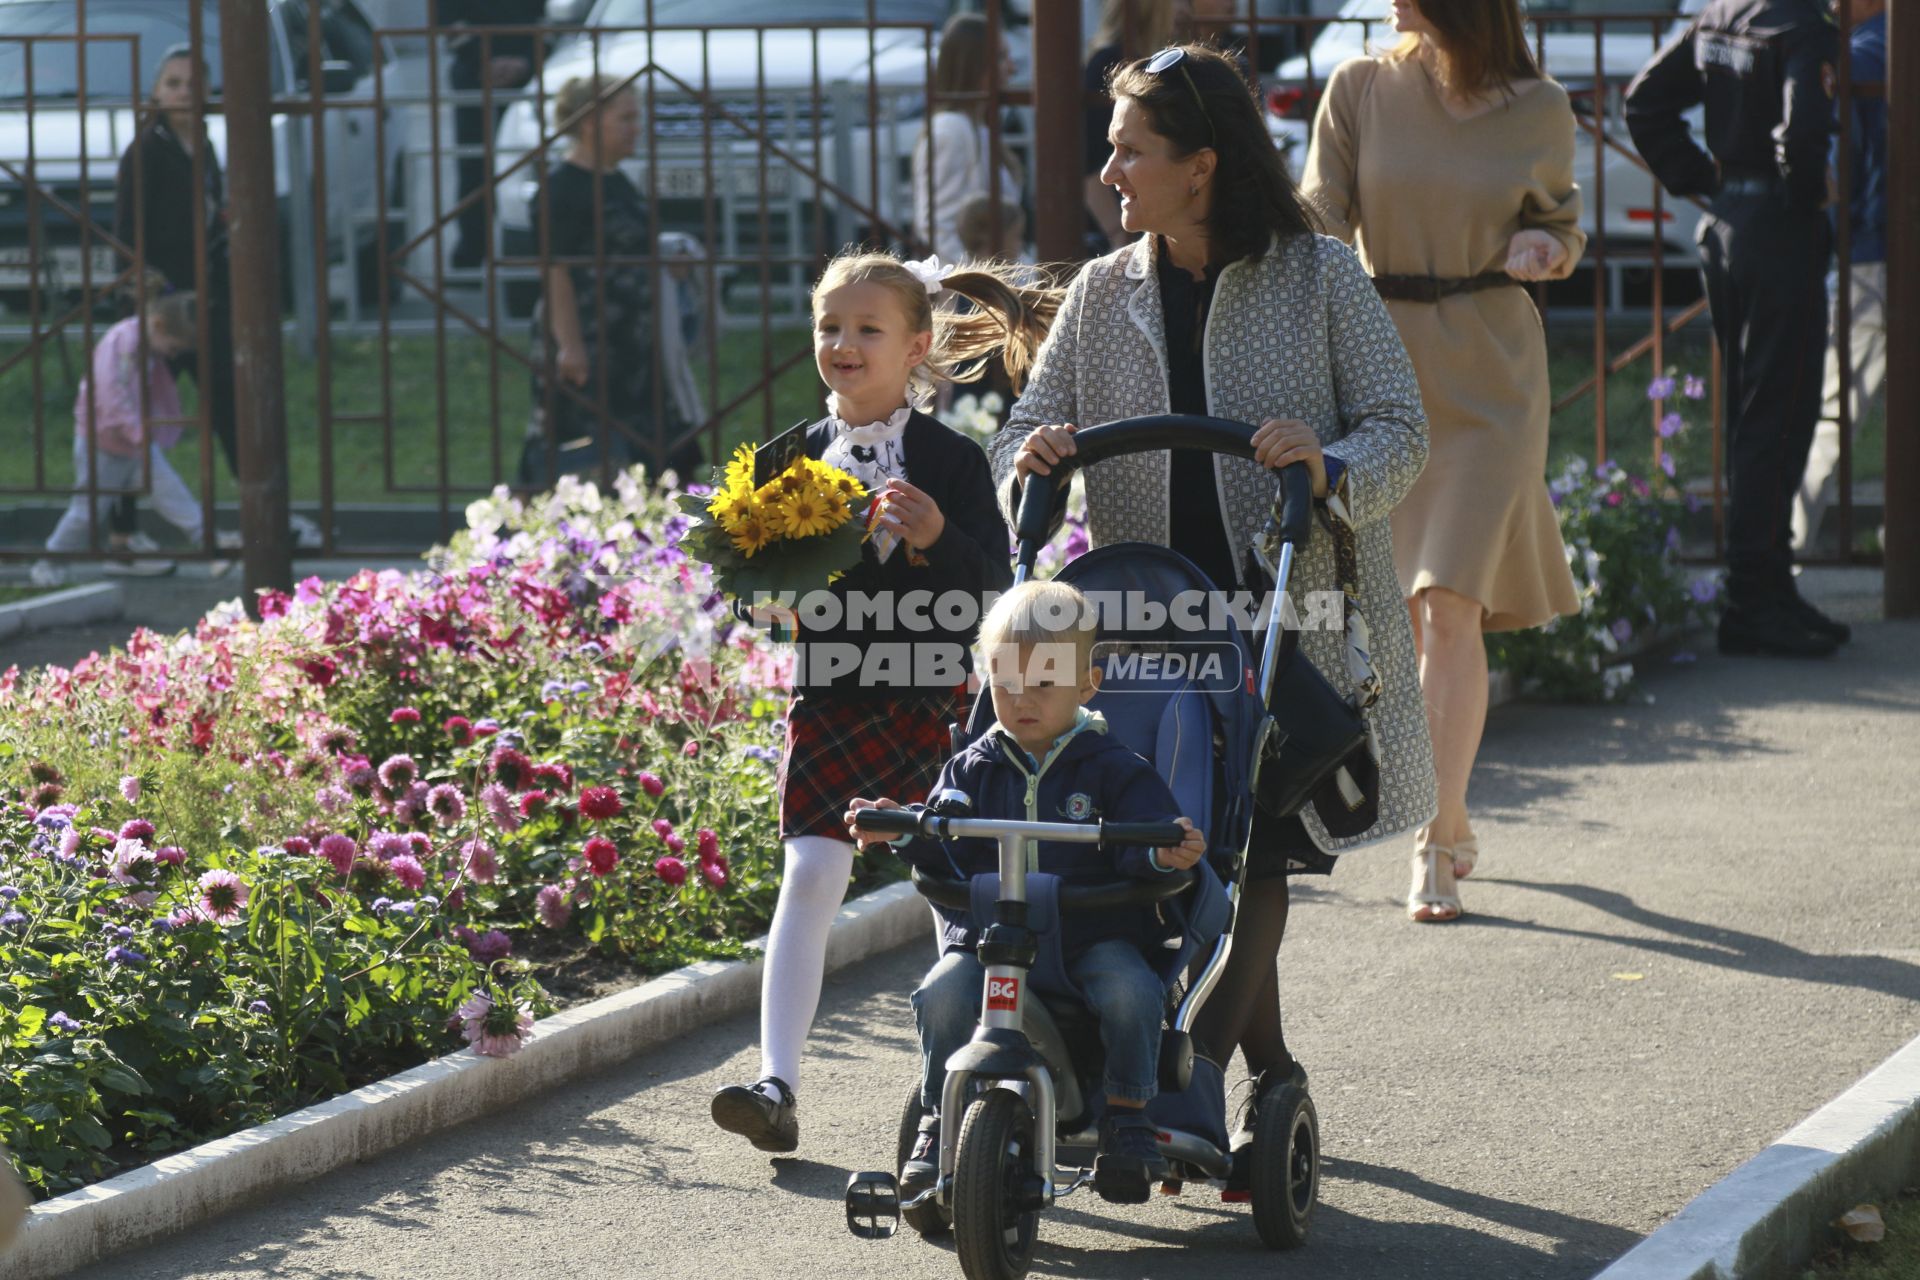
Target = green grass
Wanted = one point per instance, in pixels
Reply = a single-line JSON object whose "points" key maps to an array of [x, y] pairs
{"points": [[1895, 1258], [485, 413], [13, 594]]}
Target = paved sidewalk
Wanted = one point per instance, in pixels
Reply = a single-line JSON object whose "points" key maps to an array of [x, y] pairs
{"points": [[1692, 926]]}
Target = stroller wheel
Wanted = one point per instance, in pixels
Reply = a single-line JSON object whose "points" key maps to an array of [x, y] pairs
{"points": [[1286, 1166], [930, 1220], [994, 1223]]}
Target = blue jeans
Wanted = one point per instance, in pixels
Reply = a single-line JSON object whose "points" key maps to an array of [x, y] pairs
{"points": [[1126, 995]]}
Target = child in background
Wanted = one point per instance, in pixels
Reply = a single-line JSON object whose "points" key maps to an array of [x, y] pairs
{"points": [[125, 417], [973, 224], [880, 727], [1049, 759]]}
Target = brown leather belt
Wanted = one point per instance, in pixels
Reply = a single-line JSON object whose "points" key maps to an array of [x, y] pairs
{"points": [[1434, 288]]}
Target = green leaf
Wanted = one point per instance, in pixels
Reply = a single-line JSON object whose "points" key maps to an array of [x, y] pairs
{"points": [[123, 1080]]}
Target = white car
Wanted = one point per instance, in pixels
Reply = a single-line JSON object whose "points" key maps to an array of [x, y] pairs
{"points": [[1295, 90], [121, 70], [772, 110]]}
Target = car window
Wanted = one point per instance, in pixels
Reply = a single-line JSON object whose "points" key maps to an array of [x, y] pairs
{"points": [[721, 13], [111, 66]]}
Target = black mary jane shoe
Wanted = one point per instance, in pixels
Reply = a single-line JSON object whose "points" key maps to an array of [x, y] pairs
{"points": [[768, 1125]]}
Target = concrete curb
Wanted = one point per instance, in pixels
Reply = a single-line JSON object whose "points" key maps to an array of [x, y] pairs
{"points": [[183, 1190], [75, 606], [1764, 1220]]}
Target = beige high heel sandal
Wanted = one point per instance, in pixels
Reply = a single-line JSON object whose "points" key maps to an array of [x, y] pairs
{"points": [[1433, 898], [1466, 853]]}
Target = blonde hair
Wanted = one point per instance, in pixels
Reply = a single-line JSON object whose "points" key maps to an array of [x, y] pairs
{"points": [[579, 94], [1139, 26], [174, 310], [1042, 613], [974, 226], [1009, 315]]}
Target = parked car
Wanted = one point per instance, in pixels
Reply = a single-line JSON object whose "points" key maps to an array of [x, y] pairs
{"points": [[1293, 95], [119, 73]]}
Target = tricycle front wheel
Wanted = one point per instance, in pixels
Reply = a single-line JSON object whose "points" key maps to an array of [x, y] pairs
{"points": [[994, 1229]]}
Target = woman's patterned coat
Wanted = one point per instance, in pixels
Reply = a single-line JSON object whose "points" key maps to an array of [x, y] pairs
{"points": [[1295, 333]]}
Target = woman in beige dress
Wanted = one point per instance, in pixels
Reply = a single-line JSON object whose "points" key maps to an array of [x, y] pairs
{"points": [[1448, 163]]}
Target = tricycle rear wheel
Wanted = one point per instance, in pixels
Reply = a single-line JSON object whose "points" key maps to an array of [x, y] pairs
{"points": [[930, 1220]]}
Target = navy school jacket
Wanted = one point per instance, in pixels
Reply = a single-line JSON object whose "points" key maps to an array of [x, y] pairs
{"points": [[1089, 777]]}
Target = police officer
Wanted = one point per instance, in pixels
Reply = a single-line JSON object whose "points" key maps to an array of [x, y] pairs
{"points": [[1764, 70]]}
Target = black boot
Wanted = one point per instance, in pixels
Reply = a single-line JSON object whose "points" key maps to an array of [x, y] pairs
{"points": [[1129, 1162], [1771, 627], [768, 1125], [1814, 620]]}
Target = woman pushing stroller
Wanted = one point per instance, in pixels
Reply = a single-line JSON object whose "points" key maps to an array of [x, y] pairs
{"points": [[1047, 758]]}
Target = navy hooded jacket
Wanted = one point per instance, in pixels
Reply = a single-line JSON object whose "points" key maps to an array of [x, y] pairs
{"points": [[1087, 778]]}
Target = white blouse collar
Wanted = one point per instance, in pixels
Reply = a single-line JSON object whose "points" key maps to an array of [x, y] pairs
{"points": [[873, 432]]}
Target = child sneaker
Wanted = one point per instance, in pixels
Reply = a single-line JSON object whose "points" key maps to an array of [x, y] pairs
{"points": [[753, 1112], [1129, 1162], [922, 1169]]}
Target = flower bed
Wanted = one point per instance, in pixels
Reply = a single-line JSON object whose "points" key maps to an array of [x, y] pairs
{"points": [[246, 868]]}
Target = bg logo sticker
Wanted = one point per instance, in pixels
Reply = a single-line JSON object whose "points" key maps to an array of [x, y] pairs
{"points": [[1003, 994], [1079, 806]]}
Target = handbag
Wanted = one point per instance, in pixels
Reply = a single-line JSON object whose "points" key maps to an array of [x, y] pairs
{"points": [[1321, 748]]}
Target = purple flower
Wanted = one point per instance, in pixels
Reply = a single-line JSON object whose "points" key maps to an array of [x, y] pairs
{"points": [[260, 1007], [1666, 464], [1694, 389], [1673, 540], [1686, 656], [331, 799], [499, 803], [1622, 630], [397, 772], [446, 804], [130, 789], [1660, 388], [388, 845], [380, 906], [12, 920], [62, 1022], [125, 955], [485, 947], [552, 907], [407, 870], [1671, 425], [1704, 590], [8, 892]]}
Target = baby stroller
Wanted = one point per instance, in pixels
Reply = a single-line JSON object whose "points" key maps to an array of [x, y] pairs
{"points": [[1026, 1090]]}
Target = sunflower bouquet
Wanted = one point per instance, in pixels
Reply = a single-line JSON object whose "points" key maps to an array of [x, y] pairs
{"points": [[794, 533]]}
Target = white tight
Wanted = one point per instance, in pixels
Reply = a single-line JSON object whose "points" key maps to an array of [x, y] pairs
{"points": [[811, 890]]}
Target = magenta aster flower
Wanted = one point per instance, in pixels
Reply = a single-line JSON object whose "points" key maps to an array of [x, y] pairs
{"points": [[398, 772], [478, 858], [331, 799], [170, 855], [602, 855], [388, 845], [446, 804], [512, 768], [650, 784], [714, 871], [692, 749], [671, 870], [407, 870], [497, 1031], [130, 789], [675, 842], [404, 715], [499, 805], [551, 905], [534, 803], [339, 851], [707, 843], [297, 846], [459, 728], [662, 828], [136, 829], [599, 803], [222, 896], [554, 775]]}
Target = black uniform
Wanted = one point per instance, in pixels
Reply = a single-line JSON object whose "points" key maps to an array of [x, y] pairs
{"points": [[1763, 70], [471, 123]]}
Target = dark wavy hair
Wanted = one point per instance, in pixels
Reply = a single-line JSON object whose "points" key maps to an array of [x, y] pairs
{"points": [[1254, 198]]}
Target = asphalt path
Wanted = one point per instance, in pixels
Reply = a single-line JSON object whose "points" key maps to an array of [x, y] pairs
{"points": [[1693, 925]]}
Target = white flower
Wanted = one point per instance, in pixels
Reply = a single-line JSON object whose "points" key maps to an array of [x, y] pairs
{"points": [[1616, 678]]}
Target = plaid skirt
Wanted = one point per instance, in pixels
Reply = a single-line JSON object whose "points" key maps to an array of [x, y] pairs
{"points": [[841, 749]]}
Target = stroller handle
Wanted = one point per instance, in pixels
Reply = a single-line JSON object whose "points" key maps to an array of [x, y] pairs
{"points": [[1042, 495], [1104, 895]]}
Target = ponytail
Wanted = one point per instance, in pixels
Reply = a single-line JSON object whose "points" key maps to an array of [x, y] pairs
{"points": [[1010, 315]]}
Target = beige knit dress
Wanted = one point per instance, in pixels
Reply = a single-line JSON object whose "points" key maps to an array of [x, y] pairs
{"points": [[1420, 193]]}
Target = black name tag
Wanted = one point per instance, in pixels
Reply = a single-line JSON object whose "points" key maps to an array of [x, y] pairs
{"points": [[779, 453]]}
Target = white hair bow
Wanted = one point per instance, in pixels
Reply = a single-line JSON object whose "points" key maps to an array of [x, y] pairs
{"points": [[930, 273]]}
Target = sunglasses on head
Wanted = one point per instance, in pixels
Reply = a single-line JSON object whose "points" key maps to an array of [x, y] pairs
{"points": [[1176, 57]]}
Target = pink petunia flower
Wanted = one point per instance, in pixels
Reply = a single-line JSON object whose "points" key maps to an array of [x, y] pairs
{"points": [[407, 870], [551, 905], [671, 870], [223, 895]]}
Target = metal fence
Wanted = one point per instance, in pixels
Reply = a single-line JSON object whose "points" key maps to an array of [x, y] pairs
{"points": [[418, 382]]}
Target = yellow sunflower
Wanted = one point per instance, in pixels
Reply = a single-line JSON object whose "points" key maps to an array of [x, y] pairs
{"points": [[739, 477], [804, 513], [753, 531]]}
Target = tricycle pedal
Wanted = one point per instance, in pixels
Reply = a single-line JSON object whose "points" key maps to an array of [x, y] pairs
{"points": [[873, 1205]]}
